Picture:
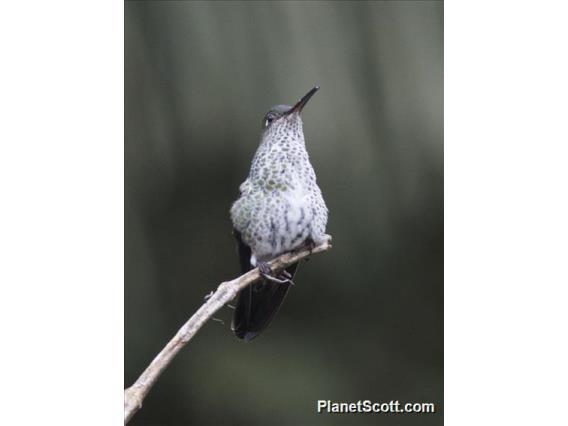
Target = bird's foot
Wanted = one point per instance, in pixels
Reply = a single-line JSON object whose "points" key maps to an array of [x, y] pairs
{"points": [[311, 244], [283, 278]]}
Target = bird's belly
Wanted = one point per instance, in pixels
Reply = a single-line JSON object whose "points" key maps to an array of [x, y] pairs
{"points": [[298, 219], [286, 226]]}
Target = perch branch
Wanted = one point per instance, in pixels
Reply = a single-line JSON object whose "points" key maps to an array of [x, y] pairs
{"points": [[135, 394]]}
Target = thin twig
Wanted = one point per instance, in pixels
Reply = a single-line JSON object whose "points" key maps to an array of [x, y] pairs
{"points": [[135, 394]]}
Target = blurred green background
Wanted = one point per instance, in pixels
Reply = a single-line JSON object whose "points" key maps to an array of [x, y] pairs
{"points": [[365, 320]]}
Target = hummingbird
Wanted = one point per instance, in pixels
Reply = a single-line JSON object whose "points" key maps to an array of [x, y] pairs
{"points": [[280, 208]]}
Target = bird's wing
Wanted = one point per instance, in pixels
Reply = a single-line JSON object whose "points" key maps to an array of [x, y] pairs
{"points": [[244, 253]]}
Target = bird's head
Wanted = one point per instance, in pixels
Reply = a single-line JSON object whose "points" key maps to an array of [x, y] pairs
{"points": [[281, 117]]}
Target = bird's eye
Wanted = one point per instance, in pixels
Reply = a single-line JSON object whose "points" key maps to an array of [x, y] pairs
{"points": [[269, 119]]}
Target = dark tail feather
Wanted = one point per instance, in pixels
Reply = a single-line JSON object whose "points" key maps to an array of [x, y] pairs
{"points": [[257, 305]]}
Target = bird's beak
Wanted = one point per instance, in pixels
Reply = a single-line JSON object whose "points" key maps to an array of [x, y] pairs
{"points": [[302, 102]]}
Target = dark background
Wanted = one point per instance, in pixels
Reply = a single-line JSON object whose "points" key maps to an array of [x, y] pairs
{"points": [[365, 320]]}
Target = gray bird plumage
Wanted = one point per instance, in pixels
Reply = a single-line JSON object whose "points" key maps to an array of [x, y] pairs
{"points": [[280, 207]]}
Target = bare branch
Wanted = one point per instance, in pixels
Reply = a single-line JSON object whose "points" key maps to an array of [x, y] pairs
{"points": [[135, 394]]}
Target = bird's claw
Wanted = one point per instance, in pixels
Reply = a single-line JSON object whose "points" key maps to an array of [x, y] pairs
{"points": [[283, 278]]}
